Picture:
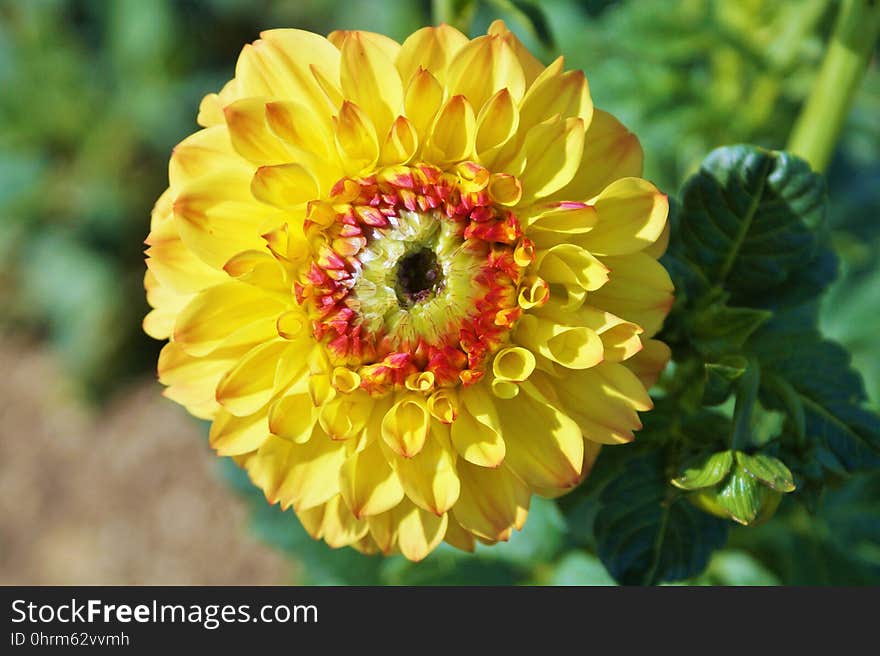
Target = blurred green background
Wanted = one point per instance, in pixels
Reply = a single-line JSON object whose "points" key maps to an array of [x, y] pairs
{"points": [[94, 94]]}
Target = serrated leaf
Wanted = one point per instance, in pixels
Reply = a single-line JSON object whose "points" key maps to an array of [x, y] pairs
{"points": [[741, 497], [706, 472], [819, 379], [768, 470], [750, 218], [647, 533]]}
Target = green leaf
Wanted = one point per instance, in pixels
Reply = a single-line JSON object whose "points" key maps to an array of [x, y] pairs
{"points": [[750, 218], [647, 532], [819, 379], [721, 377], [706, 472], [768, 470], [719, 329], [741, 497]]}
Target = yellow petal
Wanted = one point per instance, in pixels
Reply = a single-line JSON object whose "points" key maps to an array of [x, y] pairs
{"points": [[384, 527], [370, 80], [298, 127], [504, 189], [530, 65], [574, 270], [458, 536], [452, 135], [232, 436], [610, 152], [312, 521], [658, 248], [283, 64], [217, 313], [650, 362], [603, 401], [308, 137], [476, 432], [423, 98], [368, 484], [284, 185], [167, 304], [429, 478], [639, 290], [292, 417], [545, 448], [405, 426], [339, 527], [620, 339], [572, 346], [483, 67], [356, 139], [631, 216], [557, 93], [312, 472], [210, 111], [345, 415], [250, 134], [389, 47], [491, 501], [430, 48], [260, 269], [419, 532], [268, 466], [549, 157], [401, 143], [192, 381], [497, 123], [555, 223], [218, 217], [513, 363], [248, 386], [202, 153], [175, 266], [443, 406]]}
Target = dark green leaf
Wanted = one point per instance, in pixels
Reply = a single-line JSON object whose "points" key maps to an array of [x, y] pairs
{"points": [[706, 472], [647, 533], [751, 218], [719, 329], [818, 377], [767, 470], [720, 378]]}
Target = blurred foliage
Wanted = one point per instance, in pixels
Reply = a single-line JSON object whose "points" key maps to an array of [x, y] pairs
{"points": [[95, 94]]}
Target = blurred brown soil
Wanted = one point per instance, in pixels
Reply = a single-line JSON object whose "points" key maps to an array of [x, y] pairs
{"points": [[124, 494]]}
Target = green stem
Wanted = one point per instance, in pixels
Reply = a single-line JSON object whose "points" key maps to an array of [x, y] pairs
{"points": [[746, 397], [443, 11], [821, 120]]}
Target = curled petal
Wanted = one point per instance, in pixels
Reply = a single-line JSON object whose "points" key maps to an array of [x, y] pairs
{"points": [[405, 426]]}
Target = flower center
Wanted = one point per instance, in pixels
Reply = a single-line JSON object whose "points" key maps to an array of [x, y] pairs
{"points": [[413, 271], [418, 277]]}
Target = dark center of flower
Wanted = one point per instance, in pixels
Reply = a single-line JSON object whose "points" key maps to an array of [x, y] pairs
{"points": [[418, 277]]}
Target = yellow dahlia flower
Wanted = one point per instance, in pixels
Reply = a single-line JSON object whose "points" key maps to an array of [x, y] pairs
{"points": [[410, 284]]}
